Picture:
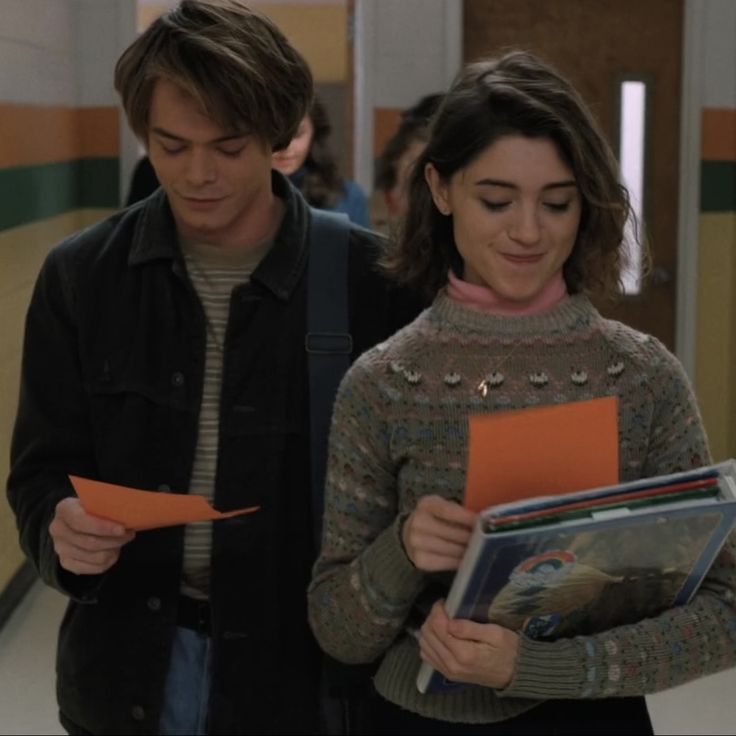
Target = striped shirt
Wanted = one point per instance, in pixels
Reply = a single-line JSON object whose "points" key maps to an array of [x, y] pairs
{"points": [[214, 273]]}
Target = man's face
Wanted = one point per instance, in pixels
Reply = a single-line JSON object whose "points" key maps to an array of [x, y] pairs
{"points": [[215, 179]]}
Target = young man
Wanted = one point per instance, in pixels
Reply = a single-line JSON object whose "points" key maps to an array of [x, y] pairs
{"points": [[165, 349]]}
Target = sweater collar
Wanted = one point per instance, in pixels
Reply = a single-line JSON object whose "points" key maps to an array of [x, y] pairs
{"points": [[485, 299], [574, 314]]}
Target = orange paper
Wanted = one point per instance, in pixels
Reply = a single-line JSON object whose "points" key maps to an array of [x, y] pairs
{"points": [[542, 451], [139, 510]]}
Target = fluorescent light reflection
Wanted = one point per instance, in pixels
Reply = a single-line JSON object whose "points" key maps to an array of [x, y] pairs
{"points": [[633, 111]]}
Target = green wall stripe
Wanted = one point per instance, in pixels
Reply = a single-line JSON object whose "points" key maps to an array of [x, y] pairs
{"points": [[718, 186], [30, 193]]}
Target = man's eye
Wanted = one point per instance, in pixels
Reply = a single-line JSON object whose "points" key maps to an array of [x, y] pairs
{"points": [[172, 150], [232, 152]]}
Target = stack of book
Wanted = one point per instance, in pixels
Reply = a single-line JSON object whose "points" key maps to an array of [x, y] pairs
{"points": [[579, 563]]}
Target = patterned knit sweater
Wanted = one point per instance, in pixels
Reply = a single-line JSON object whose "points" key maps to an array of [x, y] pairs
{"points": [[400, 431]]}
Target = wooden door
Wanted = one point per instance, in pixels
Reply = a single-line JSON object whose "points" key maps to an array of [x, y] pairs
{"points": [[597, 44]]}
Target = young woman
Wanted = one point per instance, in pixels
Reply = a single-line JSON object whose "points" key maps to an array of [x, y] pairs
{"points": [[311, 166], [516, 216]]}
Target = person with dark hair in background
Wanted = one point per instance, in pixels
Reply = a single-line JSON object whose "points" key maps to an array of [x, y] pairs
{"points": [[516, 216], [166, 350], [393, 166], [310, 164]]}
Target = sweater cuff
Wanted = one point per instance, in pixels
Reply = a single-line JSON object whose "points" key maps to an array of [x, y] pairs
{"points": [[388, 570], [547, 670]]}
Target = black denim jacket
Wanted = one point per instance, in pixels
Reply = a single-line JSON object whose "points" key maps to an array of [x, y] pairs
{"points": [[111, 387]]}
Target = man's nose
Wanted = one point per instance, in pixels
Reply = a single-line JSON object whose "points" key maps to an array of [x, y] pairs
{"points": [[201, 168]]}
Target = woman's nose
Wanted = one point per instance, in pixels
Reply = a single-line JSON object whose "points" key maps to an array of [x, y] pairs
{"points": [[525, 228]]}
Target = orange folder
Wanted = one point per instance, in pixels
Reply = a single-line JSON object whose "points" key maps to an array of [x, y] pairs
{"points": [[140, 510], [541, 451]]}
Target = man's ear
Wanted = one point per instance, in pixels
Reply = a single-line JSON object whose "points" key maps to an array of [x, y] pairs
{"points": [[438, 187]]}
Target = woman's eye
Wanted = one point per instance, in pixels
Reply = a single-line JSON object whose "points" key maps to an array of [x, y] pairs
{"points": [[494, 206], [557, 206]]}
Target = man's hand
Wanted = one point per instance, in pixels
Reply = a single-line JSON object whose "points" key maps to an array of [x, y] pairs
{"points": [[85, 544], [436, 533], [465, 651]]}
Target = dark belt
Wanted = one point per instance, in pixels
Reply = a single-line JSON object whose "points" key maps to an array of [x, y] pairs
{"points": [[194, 614]]}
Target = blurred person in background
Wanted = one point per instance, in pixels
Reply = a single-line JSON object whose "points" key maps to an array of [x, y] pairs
{"points": [[394, 164], [310, 164]]}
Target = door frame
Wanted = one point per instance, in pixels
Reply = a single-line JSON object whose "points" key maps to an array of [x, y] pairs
{"points": [[688, 230], [443, 63]]}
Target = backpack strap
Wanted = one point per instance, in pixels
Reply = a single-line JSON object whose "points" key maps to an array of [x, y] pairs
{"points": [[328, 342]]}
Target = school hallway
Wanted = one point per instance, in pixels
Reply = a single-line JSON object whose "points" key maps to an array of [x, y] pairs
{"points": [[27, 703]]}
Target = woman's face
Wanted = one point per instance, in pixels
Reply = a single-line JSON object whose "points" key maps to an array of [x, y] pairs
{"points": [[295, 154], [515, 214]]}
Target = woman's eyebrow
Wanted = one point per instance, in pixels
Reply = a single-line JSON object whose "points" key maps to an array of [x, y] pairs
{"points": [[511, 185]]}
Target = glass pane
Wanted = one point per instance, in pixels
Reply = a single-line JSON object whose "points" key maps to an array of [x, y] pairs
{"points": [[631, 146]]}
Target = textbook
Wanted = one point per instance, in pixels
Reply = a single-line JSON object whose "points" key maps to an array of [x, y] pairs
{"points": [[580, 563]]}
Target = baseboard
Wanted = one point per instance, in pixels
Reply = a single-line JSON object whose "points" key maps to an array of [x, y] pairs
{"points": [[16, 590]]}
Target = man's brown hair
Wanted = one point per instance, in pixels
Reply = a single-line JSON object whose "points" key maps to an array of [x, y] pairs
{"points": [[231, 59]]}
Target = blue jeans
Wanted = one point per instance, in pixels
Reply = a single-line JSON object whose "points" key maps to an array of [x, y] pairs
{"points": [[187, 689]]}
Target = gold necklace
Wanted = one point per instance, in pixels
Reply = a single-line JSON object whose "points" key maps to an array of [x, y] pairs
{"points": [[495, 378]]}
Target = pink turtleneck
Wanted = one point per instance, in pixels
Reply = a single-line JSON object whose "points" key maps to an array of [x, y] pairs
{"points": [[485, 300]]}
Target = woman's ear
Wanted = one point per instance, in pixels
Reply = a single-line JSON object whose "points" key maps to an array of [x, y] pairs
{"points": [[438, 187]]}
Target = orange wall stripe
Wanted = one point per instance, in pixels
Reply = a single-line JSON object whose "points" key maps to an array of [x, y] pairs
{"points": [[32, 135], [385, 124], [99, 132], [718, 134]]}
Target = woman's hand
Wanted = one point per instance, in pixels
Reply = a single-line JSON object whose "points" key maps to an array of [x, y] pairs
{"points": [[464, 651], [436, 533]]}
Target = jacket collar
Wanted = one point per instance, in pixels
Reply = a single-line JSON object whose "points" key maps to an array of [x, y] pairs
{"points": [[155, 238]]}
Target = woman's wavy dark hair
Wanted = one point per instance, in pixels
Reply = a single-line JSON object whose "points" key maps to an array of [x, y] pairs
{"points": [[322, 185], [515, 94]]}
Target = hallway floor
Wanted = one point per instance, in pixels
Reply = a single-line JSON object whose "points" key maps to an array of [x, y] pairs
{"points": [[27, 705]]}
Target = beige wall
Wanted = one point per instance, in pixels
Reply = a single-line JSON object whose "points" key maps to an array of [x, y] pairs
{"points": [[714, 75], [22, 250], [55, 76], [317, 29]]}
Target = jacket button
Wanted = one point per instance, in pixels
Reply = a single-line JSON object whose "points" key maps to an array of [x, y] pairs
{"points": [[137, 712], [177, 379], [154, 603]]}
